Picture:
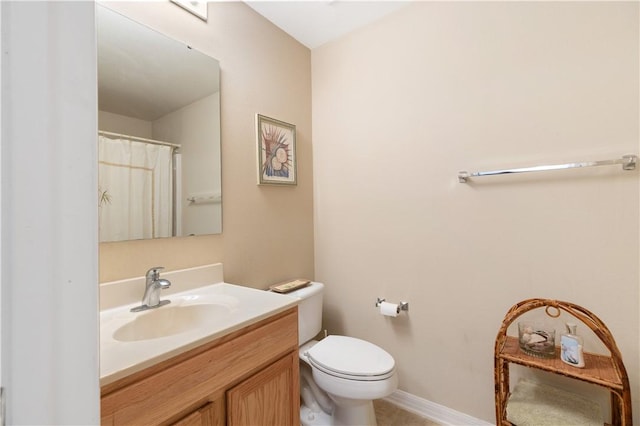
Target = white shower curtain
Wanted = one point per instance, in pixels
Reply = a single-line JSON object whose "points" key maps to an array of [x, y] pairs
{"points": [[136, 179]]}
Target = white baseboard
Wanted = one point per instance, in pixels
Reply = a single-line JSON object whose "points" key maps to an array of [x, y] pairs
{"points": [[435, 412]]}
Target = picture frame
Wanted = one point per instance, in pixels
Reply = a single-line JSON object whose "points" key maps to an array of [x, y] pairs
{"points": [[197, 8], [276, 143]]}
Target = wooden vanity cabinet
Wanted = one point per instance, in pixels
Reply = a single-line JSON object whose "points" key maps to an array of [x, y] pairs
{"points": [[248, 377], [212, 414], [266, 398]]}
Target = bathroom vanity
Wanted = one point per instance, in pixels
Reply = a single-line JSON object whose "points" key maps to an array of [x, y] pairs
{"points": [[247, 377], [216, 355]]}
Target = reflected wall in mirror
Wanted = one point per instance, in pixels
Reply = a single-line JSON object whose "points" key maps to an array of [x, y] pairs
{"points": [[159, 138]]}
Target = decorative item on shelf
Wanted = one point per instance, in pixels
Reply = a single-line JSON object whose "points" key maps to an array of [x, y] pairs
{"points": [[536, 339], [276, 151], [561, 407], [289, 286], [571, 347]]}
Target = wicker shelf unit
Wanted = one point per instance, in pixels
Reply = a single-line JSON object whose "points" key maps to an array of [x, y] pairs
{"points": [[602, 370]]}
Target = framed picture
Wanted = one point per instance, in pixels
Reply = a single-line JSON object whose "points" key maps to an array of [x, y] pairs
{"points": [[198, 8], [276, 151]]}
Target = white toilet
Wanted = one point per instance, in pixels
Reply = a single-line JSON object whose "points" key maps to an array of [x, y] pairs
{"points": [[339, 376]]}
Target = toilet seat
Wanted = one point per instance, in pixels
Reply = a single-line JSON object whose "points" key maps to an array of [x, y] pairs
{"points": [[351, 358]]}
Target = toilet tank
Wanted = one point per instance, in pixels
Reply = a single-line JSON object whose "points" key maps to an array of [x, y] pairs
{"points": [[309, 311]]}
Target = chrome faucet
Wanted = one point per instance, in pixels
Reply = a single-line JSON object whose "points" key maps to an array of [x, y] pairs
{"points": [[154, 284]]}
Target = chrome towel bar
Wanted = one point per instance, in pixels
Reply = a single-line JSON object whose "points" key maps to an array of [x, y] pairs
{"points": [[628, 163]]}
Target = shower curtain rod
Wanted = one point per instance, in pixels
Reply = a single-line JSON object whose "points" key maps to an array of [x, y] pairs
{"points": [[136, 138]]}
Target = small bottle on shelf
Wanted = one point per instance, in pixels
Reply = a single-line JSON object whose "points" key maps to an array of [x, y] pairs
{"points": [[571, 347]]}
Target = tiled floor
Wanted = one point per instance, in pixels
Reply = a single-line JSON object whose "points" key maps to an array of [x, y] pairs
{"points": [[388, 414]]}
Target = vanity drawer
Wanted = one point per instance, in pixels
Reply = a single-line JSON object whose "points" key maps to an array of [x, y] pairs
{"points": [[160, 396]]}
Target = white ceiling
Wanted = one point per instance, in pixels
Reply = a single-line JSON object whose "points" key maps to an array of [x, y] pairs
{"points": [[144, 74], [315, 22], [135, 79]]}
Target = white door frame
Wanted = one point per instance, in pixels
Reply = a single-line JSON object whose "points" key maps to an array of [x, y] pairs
{"points": [[49, 250]]}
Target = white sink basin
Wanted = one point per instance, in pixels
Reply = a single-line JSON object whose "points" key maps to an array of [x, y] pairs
{"points": [[169, 320], [132, 341]]}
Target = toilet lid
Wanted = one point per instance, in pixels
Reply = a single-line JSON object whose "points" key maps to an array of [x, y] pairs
{"points": [[351, 358]]}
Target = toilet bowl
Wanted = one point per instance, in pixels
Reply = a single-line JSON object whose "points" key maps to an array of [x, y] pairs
{"points": [[340, 376], [352, 372]]}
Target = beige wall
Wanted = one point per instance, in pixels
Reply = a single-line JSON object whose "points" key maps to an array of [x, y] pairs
{"points": [[267, 233], [193, 128], [401, 106], [116, 123]]}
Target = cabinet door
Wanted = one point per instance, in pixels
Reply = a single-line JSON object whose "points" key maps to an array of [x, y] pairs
{"points": [[211, 414], [270, 397]]}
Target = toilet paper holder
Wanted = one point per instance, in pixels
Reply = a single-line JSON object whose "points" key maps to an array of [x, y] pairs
{"points": [[402, 306]]}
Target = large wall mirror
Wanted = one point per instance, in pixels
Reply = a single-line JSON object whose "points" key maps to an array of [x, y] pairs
{"points": [[159, 134]]}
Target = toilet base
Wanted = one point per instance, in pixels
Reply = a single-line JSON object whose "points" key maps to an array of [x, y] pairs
{"points": [[350, 413], [309, 417]]}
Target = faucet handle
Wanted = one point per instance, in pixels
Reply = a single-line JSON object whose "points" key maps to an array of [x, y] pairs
{"points": [[154, 273]]}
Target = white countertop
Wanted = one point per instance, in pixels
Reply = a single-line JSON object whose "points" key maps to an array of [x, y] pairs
{"points": [[242, 306]]}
